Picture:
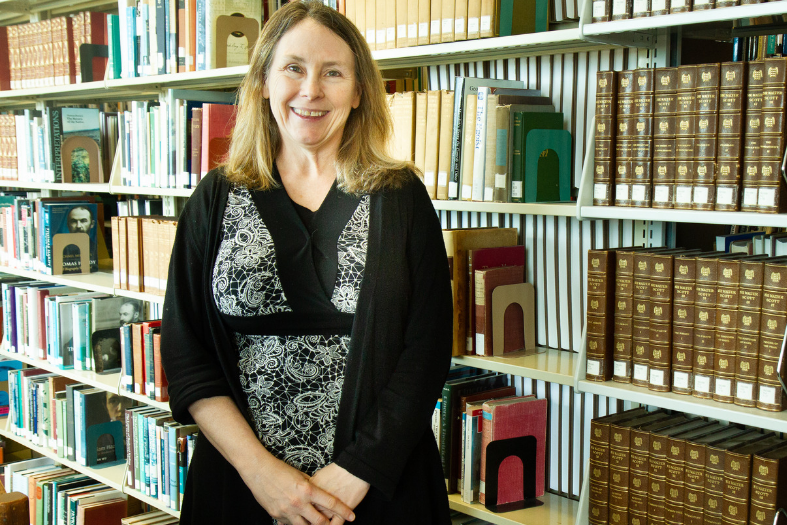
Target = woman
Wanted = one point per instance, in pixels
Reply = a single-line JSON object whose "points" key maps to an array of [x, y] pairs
{"points": [[307, 322]]}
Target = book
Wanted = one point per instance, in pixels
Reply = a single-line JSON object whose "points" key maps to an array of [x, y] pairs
{"points": [[523, 122], [506, 419], [217, 123], [98, 423], [767, 480], [600, 317], [70, 238], [106, 512], [458, 243], [486, 280]]}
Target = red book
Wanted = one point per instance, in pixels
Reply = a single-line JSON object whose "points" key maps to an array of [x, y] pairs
{"points": [[196, 146], [489, 258], [486, 281], [108, 512], [512, 418], [139, 358], [147, 358], [95, 32], [217, 123], [162, 392], [5, 63]]}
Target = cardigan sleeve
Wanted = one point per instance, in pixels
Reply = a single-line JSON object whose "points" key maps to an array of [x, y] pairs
{"points": [[188, 347], [393, 426]]}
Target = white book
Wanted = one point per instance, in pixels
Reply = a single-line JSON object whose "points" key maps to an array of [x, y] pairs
{"points": [[479, 153]]}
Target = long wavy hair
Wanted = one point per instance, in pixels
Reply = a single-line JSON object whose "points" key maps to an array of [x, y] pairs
{"points": [[363, 164]]}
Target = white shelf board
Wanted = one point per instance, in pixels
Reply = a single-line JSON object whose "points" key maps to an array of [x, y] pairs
{"points": [[108, 382], [111, 475], [682, 19], [556, 510], [96, 282], [59, 186], [140, 295], [140, 190], [776, 421], [693, 216], [561, 209], [549, 364], [150, 501], [161, 405]]}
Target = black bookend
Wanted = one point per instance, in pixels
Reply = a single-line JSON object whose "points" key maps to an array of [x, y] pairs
{"points": [[523, 447], [87, 52]]}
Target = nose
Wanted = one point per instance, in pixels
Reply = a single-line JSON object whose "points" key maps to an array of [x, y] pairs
{"points": [[311, 87]]}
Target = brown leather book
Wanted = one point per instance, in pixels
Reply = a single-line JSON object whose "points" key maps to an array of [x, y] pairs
{"points": [[738, 474], [706, 128], [599, 461], [715, 474], [685, 131], [600, 314], [752, 136], [768, 479], [730, 139], [606, 105], [694, 472], [664, 122], [772, 135], [748, 334], [770, 395], [727, 299]]}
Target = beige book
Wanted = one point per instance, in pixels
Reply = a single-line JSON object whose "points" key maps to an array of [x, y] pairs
{"points": [[460, 20], [487, 18], [491, 147], [424, 10], [468, 149], [402, 14], [349, 10], [360, 17], [431, 141], [412, 23], [407, 118], [381, 20], [447, 21], [444, 149], [473, 19], [435, 21], [391, 21], [421, 104], [371, 23], [502, 154], [392, 146]]}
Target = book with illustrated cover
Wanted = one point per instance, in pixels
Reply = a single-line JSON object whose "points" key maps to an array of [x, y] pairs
{"points": [[70, 238], [80, 147]]}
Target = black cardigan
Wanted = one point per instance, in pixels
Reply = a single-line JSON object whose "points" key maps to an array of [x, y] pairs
{"points": [[399, 354]]}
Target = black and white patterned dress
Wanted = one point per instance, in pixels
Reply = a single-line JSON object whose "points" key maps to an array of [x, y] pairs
{"points": [[288, 290]]}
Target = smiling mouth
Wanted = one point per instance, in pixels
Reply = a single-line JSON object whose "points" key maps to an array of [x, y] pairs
{"points": [[308, 113]]}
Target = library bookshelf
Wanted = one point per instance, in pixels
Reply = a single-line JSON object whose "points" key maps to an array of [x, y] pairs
{"points": [[550, 365]]}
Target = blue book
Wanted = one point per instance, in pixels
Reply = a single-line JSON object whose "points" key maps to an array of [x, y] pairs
{"points": [[152, 450], [80, 331], [159, 62], [127, 358], [69, 230], [200, 51], [131, 44], [172, 464]]}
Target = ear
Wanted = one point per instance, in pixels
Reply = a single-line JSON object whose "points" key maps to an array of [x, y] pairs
{"points": [[357, 99], [265, 93]]}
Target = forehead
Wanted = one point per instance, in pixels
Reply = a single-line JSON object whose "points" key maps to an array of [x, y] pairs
{"points": [[79, 213], [309, 40]]}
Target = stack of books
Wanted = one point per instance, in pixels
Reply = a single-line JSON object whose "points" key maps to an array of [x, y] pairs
{"points": [[142, 246]]}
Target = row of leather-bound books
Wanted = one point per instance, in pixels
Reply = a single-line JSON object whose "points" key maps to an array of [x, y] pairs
{"points": [[705, 137], [707, 324], [663, 468]]}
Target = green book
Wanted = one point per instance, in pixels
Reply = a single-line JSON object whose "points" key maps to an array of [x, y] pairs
{"points": [[522, 123], [519, 17]]}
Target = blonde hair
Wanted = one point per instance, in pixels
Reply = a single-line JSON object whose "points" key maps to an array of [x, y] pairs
{"points": [[363, 164]]}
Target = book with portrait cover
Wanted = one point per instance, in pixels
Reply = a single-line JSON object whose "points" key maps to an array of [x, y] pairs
{"points": [[70, 238], [99, 437]]}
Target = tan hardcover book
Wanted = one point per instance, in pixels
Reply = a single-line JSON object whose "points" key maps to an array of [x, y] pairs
{"points": [[148, 275], [391, 22], [381, 23], [447, 12], [123, 252], [435, 21], [752, 138], [168, 240], [371, 23], [664, 122], [421, 109], [460, 20], [135, 249], [401, 16], [360, 17], [431, 141], [116, 252], [490, 151], [458, 243], [768, 479], [412, 23], [606, 109], [444, 150], [487, 29], [473, 19], [424, 21], [502, 180], [468, 149], [684, 276]]}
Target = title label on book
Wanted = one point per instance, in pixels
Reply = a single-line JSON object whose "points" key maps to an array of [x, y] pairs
{"points": [[641, 372], [723, 387], [621, 369], [744, 390], [702, 383], [423, 29], [516, 189], [767, 395], [486, 23], [680, 379], [599, 8], [593, 367]]}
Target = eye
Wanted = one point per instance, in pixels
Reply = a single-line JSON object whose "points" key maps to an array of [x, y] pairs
{"points": [[295, 68], [334, 73]]}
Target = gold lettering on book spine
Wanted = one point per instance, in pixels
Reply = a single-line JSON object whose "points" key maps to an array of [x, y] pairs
{"points": [[763, 470]]}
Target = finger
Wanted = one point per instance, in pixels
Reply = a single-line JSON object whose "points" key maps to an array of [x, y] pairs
{"points": [[337, 520], [331, 503]]}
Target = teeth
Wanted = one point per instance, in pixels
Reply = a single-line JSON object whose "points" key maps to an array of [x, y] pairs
{"points": [[305, 113]]}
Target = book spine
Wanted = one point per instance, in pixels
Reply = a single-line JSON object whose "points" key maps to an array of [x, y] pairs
{"points": [[730, 137], [714, 484], [517, 159], [660, 326], [200, 36], [600, 315], [129, 430], [664, 121], [657, 477], [606, 110], [684, 276], [468, 150], [752, 139], [685, 131], [490, 148], [640, 324], [675, 482], [479, 145], [502, 179], [748, 334], [726, 343], [150, 384], [705, 297], [773, 323], [772, 144], [767, 489], [172, 469], [456, 139], [705, 143]]}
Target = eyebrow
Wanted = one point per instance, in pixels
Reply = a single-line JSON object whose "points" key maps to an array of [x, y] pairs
{"points": [[326, 64]]}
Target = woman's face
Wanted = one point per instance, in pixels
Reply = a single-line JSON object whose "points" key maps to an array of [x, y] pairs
{"points": [[311, 87]]}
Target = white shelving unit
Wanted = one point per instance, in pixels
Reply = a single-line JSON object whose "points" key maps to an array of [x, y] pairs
{"points": [[556, 510], [548, 364]]}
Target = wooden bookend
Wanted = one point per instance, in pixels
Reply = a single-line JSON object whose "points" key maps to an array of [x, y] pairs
{"points": [[14, 508], [90, 56], [543, 181], [73, 153], [524, 449], [229, 31], [522, 294], [65, 258]]}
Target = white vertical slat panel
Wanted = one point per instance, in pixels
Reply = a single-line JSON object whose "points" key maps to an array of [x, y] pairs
{"points": [[511, 69], [578, 257], [577, 444], [588, 228], [529, 241], [540, 282], [533, 69], [583, 84], [564, 282], [551, 284], [554, 435], [618, 56], [614, 234], [566, 396]]}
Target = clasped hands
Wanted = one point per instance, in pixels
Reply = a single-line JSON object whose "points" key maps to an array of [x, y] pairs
{"points": [[294, 498]]}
